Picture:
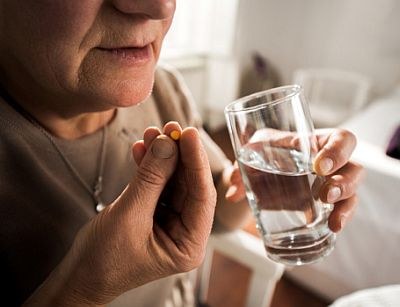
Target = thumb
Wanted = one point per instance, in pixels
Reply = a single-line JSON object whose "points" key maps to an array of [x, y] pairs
{"points": [[153, 173]]}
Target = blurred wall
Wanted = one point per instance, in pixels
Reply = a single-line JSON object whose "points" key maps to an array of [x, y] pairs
{"points": [[358, 35]]}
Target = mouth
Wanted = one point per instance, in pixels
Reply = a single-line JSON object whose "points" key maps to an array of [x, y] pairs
{"points": [[128, 55]]}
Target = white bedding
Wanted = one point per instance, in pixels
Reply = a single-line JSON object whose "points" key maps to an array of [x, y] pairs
{"points": [[367, 252], [387, 296]]}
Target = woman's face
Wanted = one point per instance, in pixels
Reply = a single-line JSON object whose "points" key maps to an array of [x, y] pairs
{"points": [[101, 52]]}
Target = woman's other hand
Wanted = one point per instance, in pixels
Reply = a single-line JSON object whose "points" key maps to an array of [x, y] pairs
{"points": [[332, 161]]}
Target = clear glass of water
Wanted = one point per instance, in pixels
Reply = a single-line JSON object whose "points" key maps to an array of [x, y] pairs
{"points": [[274, 142]]}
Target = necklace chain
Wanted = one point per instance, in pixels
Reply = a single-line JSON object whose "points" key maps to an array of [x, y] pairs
{"points": [[97, 189], [94, 192]]}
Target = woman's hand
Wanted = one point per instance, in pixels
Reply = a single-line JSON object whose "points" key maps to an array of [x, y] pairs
{"points": [[149, 232], [332, 161], [342, 176]]}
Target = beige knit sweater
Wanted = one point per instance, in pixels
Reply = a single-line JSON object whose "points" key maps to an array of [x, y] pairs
{"points": [[42, 205]]}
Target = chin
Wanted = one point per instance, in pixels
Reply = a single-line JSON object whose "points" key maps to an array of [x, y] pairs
{"points": [[128, 92], [114, 84], [132, 94]]}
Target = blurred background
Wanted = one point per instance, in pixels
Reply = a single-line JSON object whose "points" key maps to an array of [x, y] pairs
{"points": [[213, 43], [346, 55]]}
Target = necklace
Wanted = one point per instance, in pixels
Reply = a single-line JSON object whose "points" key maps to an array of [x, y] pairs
{"points": [[97, 189]]}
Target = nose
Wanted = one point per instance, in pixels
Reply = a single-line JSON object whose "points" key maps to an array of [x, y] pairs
{"points": [[153, 9]]}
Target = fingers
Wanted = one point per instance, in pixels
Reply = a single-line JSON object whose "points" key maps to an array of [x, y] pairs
{"points": [[275, 138], [342, 213], [198, 212], [155, 168], [236, 191], [198, 179], [343, 184], [340, 187], [139, 148], [149, 135], [340, 190], [172, 129], [335, 153], [138, 151]]}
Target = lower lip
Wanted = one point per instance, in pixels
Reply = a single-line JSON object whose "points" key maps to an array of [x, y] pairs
{"points": [[129, 56]]}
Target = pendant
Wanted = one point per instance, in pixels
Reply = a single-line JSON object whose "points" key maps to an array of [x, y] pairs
{"points": [[100, 207], [96, 194]]}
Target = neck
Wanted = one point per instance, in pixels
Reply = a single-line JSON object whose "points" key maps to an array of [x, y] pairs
{"points": [[63, 120], [67, 125], [73, 127]]}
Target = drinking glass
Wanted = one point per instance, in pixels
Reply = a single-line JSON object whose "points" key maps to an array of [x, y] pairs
{"points": [[274, 142]]}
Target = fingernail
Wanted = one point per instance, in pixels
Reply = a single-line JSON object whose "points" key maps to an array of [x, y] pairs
{"points": [[334, 193], [175, 135], [231, 190], [162, 149], [325, 165]]}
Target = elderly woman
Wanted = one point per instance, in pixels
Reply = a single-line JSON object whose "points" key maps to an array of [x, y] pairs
{"points": [[73, 75]]}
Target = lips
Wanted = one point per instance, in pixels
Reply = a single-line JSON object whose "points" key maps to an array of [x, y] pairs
{"points": [[128, 55]]}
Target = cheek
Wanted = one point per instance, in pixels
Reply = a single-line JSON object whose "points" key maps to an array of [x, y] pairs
{"points": [[68, 40], [44, 40]]}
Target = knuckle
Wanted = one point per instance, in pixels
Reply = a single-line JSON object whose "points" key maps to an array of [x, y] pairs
{"points": [[346, 190], [349, 177], [201, 187], [189, 258], [346, 186], [184, 266], [342, 183], [197, 260], [340, 143], [189, 264], [339, 153], [343, 133], [348, 135], [150, 175], [336, 179]]}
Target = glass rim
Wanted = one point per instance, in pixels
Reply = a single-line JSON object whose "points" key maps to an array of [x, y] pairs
{"points": [[230, 107]]}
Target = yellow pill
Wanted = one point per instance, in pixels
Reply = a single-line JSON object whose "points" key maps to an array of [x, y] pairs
{"points": [[175, 135]]}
